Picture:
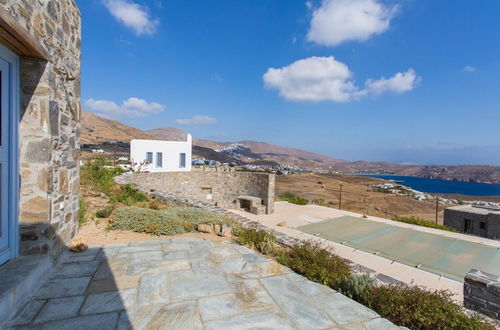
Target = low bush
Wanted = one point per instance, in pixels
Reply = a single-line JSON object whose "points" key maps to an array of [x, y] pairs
{"points": [[320, 202], [129, 195], [105, 212], [292, 198], [316, 263], [259, 240], [154, 205], [418, 308], [422, 222], [357, 287], [97, 174], [170, 221]]}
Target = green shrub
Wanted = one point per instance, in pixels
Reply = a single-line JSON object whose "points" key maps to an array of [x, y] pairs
{"points": [[129, 195], [316, 263], [320, 202], [292, 198], [105, 212], [417, 308], [357, 287], [259, 240], [97, 174], [82, 209], [422, 222], [170, 221]]}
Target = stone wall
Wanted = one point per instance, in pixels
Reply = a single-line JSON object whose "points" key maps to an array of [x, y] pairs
{"points": [[49, 127], [491, 222], [220, 188], [482, 293]]}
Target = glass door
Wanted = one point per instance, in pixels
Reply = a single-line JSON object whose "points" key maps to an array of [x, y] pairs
{"points": [[5, 253]]}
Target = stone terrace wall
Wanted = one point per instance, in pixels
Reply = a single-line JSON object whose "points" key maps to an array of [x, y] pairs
{"points": [[224, 187], [49, 128], [482, 293]]}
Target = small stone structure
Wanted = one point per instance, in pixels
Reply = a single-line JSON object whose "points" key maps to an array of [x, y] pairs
{"points": [[482, 293], [251, 204], [217, 188], [472, 219]]}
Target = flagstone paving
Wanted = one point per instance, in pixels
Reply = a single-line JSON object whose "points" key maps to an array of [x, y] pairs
{"points": [[186, 283]]}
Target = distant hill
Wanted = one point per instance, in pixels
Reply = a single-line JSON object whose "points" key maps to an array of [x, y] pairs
{"points": [[95, 129], [168, 134], [258, 153]]}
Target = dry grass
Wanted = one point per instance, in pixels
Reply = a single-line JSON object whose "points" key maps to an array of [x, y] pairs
{"points": [[356, 195]]}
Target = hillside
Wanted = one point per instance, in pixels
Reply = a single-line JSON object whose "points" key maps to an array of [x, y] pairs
{"points": [[253, 152], [95, 129]]}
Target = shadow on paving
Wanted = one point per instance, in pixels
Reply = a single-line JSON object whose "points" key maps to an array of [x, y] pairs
{"points": [[80, 293]]}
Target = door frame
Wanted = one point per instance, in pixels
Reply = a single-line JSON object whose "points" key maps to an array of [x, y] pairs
{"points": [[13, 143]]}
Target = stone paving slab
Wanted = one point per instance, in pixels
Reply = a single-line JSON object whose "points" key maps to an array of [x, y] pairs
{"points": [[185, 283]]}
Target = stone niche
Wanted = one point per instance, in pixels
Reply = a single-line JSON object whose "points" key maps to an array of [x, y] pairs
{"points": [[223, 189], [49, 124]]}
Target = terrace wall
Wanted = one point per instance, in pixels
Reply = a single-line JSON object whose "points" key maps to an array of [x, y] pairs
{"points": [[220, 188]]}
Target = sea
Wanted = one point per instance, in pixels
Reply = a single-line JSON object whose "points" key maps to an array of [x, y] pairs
{"points": [[442, 186]]}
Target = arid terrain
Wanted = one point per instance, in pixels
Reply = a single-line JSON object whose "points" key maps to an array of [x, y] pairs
{"points": [[357, 195], [96, 129]]}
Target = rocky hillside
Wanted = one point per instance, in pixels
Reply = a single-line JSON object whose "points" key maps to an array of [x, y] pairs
{"points": [[253, 152], [95, 129]]}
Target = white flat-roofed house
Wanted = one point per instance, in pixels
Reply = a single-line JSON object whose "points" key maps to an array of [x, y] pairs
{"points": [[161, 156]]}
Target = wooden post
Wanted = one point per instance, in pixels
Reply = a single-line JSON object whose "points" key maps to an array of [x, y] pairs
{"points": [[437, 208], [340, 197]]}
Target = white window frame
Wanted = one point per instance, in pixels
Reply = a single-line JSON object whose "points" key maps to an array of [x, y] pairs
{"points": [[159, 159], [180, 160], [12, 213], [147, 158]]}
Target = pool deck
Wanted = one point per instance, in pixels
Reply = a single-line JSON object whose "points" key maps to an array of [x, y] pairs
{"points": [[299, 215]]}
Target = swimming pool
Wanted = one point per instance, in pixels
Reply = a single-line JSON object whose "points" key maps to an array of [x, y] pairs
{"points": [[446, 256]]}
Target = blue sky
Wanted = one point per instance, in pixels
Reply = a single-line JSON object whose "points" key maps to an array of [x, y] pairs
{"points": [[400, 81]]}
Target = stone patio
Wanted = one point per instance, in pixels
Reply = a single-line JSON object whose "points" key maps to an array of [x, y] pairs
{"points": [[186, 283]]}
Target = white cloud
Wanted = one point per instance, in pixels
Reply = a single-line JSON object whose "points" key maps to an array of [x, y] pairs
{"points": [[312, 79], [132, 15], [133, 107], [336, 21], [469, 68], [325, 78], [196, 120], [399, 83]]}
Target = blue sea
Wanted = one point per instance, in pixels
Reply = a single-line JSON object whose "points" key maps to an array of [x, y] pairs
{"points": [[442, 186]]}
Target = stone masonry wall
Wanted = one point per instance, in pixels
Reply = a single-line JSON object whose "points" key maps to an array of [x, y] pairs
{"points": [[482, 293], [49, 127], [456, 218], [219, 188]]}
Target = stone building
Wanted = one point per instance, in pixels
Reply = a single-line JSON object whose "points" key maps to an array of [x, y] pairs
{"points": [[39, 143], [472, 219]]}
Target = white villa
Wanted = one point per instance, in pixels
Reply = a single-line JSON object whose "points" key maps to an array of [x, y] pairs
{"points": [[161, 156]]}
